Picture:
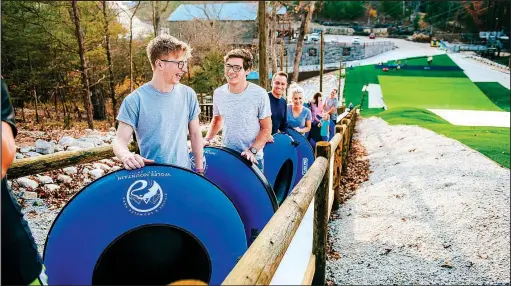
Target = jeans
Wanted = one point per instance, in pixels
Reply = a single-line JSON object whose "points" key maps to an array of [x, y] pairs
{"points": [[260, 164]]}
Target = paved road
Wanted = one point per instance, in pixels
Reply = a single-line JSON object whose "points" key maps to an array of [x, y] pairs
{"points": [[405, 49]]}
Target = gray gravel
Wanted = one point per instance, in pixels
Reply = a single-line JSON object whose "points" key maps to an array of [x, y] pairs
{"points": [[433, 211], [39, 218]]}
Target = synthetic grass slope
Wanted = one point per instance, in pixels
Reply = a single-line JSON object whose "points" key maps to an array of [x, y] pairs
{"points": [[493, 142], [498, 94], [434, 92], [357, 77]]}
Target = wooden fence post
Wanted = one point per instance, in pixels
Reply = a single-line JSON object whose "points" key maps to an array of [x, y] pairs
{"points": [[346, 144], [338, 168], [321, 217]]}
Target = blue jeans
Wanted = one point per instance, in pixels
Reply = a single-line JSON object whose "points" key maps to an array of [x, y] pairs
{"points": [[260, 165]]}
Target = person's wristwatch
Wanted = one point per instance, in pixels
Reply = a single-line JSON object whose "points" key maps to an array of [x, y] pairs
{"points": [[253, 150]]}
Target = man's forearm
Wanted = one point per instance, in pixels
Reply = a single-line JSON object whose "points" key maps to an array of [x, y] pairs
{"points": [[120, 150], [197, 149], [262, 138], [213, 129]]}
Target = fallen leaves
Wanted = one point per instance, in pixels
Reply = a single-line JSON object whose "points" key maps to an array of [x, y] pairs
{"points": [[357, 171], [330, 252]]}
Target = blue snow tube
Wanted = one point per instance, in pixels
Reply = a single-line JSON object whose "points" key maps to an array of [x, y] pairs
{"points": [[244, 184], [305, 155], [280, 161], [154, 225]]}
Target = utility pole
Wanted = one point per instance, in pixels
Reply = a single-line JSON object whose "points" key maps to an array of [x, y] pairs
{"points": [[403, 9], [321, 60], [282, 53], [340, 73], [263, 71], [286, 62]]}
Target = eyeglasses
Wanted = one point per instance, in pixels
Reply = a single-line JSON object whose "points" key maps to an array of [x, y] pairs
{"points": [[180, 64], [234, 68]]}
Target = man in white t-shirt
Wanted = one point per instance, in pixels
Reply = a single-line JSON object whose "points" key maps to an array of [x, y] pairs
{"points": [[241, 109]]}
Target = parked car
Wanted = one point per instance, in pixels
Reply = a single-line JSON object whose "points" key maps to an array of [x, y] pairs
{"points": [[372, 36], [356, 41], [314, 37]]}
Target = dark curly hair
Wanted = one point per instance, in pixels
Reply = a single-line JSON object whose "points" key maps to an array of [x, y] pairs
{"points": [[243, 54]]}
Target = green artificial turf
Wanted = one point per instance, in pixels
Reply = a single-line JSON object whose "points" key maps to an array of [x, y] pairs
{"points": [[357, 77], [493, 142], [429, 92], [498, 94], [410, 91], [440, 60]]}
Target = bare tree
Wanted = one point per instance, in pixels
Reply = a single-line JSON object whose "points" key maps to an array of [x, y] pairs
{"points": [[83, 64], [157, 11], [272, 36], [263, 71], [109, 58], [131, 44], [209, 33], [304, 27]]}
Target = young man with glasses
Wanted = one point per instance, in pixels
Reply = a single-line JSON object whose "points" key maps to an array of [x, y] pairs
{"points": [[278, 103], [241, 109], [161, 112]]}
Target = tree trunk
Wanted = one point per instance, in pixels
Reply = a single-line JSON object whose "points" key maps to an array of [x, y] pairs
{"points": [[33, 88], [98, 102], [155, 5], [83, 65], [109, 61], [273, 39], [56, 107], [263, 71], [155, 16], [304, 27], [36, 105], [131, 46]]}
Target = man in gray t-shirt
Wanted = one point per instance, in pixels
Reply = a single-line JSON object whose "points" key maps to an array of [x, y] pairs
{"points": [[161, 122], [242, 109], [161, 112], [331, 105]]}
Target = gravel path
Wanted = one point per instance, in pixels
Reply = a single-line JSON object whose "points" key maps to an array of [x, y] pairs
{"points": [[433, 211]]}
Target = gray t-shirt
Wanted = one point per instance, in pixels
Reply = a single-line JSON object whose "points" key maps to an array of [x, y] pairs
{"points": [[241, 113], [329, 103], [299, 121], [161, 122]]}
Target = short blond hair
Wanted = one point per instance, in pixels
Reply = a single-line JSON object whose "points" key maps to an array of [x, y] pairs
{"points": [[293, 88], [279, 73], [243, 54], [165, 44]]}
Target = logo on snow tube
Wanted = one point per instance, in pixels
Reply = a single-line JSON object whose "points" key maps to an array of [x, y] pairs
{"points": [[144, 197], [305, 165]]}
